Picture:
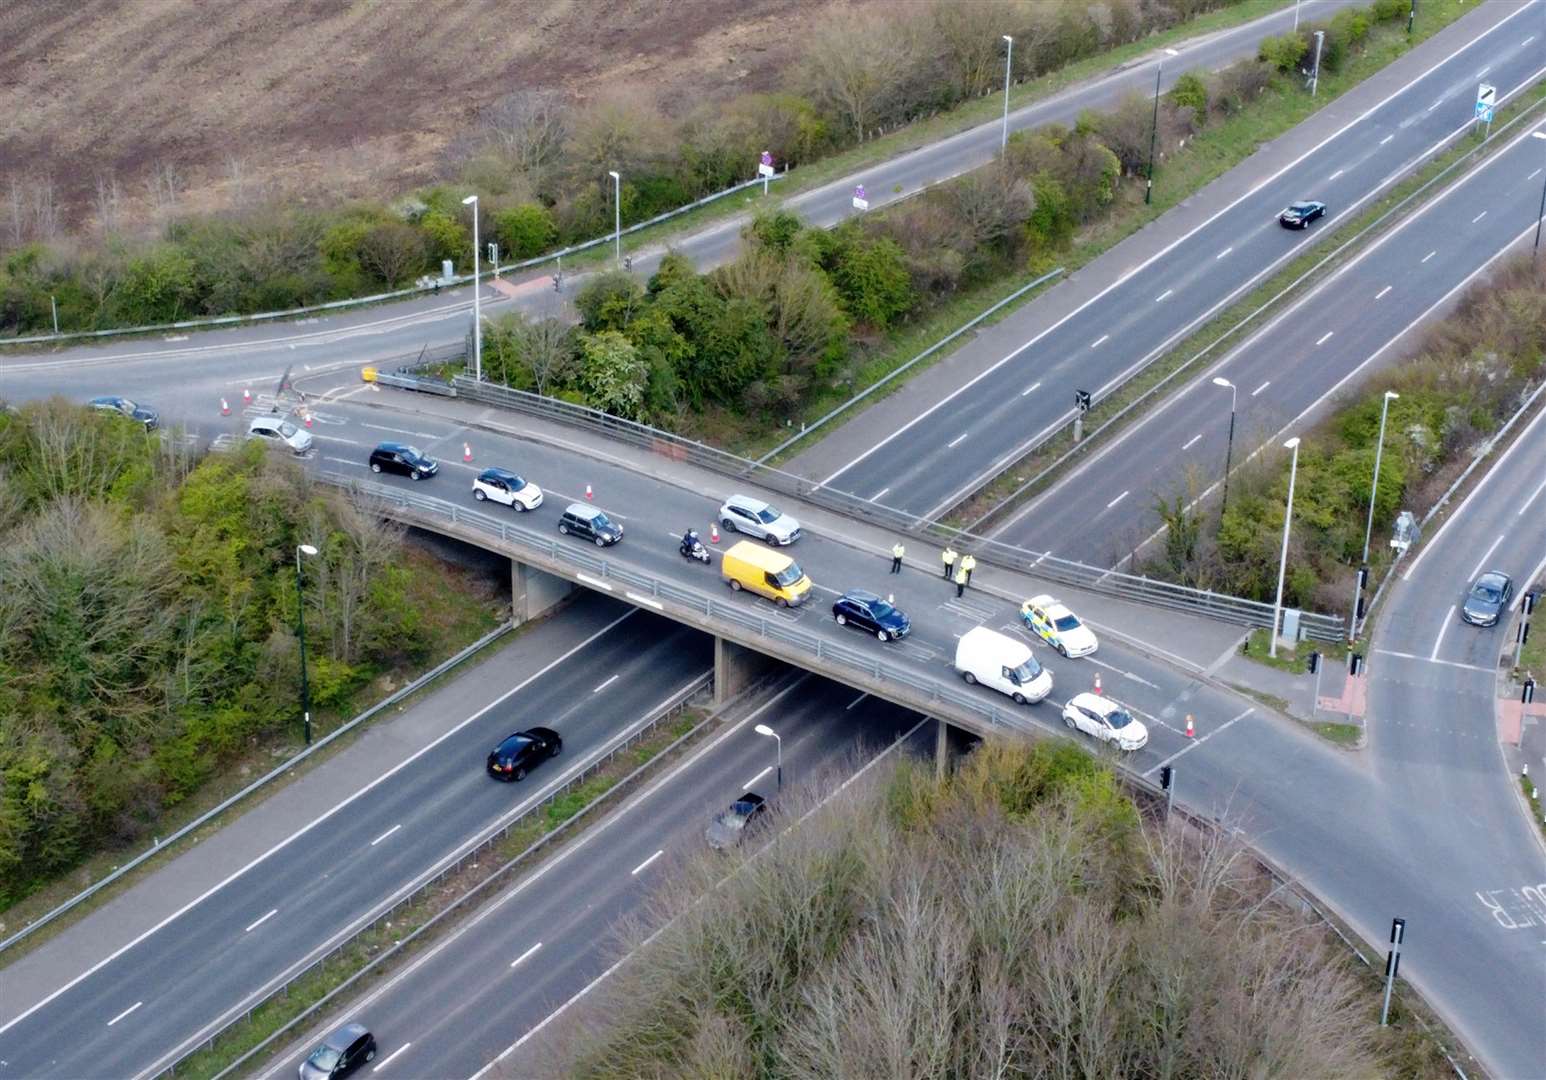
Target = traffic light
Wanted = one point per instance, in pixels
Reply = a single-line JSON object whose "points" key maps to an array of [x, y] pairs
{"points": [[1363, 577], [1527, 604], [1312, 663], [1166, 772], [1355, 663]]}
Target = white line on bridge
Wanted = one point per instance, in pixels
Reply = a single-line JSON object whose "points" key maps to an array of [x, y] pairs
{"points": [[1221, 254], [1100, 340], [1162, 295], [1325, 337], [878, 494], [1386, 139], [1428, 256], [1478, 217]]}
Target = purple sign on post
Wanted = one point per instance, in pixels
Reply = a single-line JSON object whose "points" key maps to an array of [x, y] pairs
{"points": [[767, 158], [859, 192]]}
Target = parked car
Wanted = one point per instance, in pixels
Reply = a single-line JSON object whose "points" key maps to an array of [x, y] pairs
{"points": [[590, 523], [1488, 599], [1300, 214], [727, 830], [340, 1054], [504, 486], [409, 461], [522, 752], [742, 513], [278, 430], [1106, 720], [870, 613], [996, 660], [1057, 626], [133, 410]]}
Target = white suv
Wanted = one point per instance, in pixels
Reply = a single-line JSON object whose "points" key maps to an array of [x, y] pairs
{"points": [[742, 513], [504, 486], [278, 430]]}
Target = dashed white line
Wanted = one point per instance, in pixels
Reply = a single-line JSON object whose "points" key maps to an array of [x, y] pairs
{"points": [[1386, 139], [1334, 175], [1030, 389], [526, 955], [1100, 340], [854, 702], [261, 921], [1483, 71], [1325, 337], [1162, 295], [400, 431], [1382, 292], [1531, 499], [1436, 104], [879, 493], [1221, 254], [957, 441], [1444, 628], [608, 683], [125, 1013], [1262, 387], [388, 1059], [1188, 444], [1527, 41], [1533, 175], [1487, 556], [1478, 217], [748, 785], [1428, 256], [1118, 499], [646, 862], [386, 834]]}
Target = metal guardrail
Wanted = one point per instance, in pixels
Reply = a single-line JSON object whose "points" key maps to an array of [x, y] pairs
{"points": [[287, 765], [472, 852], [1125, 586]]}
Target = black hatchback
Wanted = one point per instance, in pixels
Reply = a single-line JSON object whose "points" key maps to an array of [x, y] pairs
{"points": [[409, 461], [522, 752]]}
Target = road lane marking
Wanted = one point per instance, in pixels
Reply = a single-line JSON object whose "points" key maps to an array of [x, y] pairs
{"points": [[1487, 556], [1187, 749], [855, 701], [597, 583], [1162, 295], [526, 955], [608, 683], [748, 785], [1188, 444], [646, 862], [261, 921], [1478, 217], [388, 1059], [878, 494], [1383, 291], [957, 441], [1386, 139], [125, 1013], [400, 431], [386, 834], [1436, 104], [1030, 389], [1334, 175], [1531, 499], [1483, 71], [1116, 670], [1431, 660], [1325, 337], [1100, 340], [645, 600], [1533, 175], [1118, 499], [1262, 387], [1221, 254], [1426, 257], [1443, 629]]}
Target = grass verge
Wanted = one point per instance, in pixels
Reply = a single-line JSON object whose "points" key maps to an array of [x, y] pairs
{"points": [[272, 1015], [1532, 794], [1348, 735], [1272, 701]]}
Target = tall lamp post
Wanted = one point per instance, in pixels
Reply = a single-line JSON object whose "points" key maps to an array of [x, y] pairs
{"points": [[617, 216], [1008, 62], [1148, 190], [1229, 447], [1277, 605], [477, 304], [1374, 485], [300, 618], [1539, 215], [763, 729]]}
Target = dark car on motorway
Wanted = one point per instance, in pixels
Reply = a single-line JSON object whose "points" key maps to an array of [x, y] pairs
{"points": [[727, 830], [133, 410], [870, 613], [1300, 214], [341, 1054], [589, 523], [1488, 599], [522, 752], [409, 461]]}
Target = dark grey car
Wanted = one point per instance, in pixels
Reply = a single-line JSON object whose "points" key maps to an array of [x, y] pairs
{"points": [[133, 410], [1488, 599], [726, 830], [340, 1054]]}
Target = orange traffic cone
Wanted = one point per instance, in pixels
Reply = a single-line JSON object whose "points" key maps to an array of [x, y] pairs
{"points": [[1190, 730], [714, 534], [1097, 683], [246, 396], [466, 451], [587, 491], [225, 407]]}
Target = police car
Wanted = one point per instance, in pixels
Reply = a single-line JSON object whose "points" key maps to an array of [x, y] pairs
{"points": [[1057, 626]]}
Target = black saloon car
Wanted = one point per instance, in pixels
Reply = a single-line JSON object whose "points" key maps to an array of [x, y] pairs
{"points": [[870, 613], [132, 410], [410, 461], [522, 752], [1300, 214], [1488, 599], [728, 828]]}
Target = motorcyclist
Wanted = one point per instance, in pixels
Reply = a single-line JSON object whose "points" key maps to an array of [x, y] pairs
{"points": [[689, 542]]}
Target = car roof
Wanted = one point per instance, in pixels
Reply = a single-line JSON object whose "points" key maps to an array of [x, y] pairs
{"points": [[748, 502], [341, 1038], [583, 511], [759, 555], [539, 732], [751, 798], [494, 470], [861, 596], [1097, 703], [1493, 577], [392, 447]]}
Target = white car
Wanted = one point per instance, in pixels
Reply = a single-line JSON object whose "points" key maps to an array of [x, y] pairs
{"points": [[1106, 720], [742, 513], [278, 430], [1058, 627], [504, 486]]}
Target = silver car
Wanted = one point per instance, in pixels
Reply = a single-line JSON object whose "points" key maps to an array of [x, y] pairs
{"points": [[744, 514], [278, 430]]}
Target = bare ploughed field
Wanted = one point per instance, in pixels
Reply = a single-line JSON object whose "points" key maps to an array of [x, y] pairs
{"points": [[221, 99]]}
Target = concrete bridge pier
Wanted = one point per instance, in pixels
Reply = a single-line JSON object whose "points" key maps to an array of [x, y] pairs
{"points": [[735, 668], [534, 592]]}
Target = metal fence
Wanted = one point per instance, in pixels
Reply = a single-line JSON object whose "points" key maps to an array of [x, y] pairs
{"points": [[469, 853], [1125, 586], [279, 770]]}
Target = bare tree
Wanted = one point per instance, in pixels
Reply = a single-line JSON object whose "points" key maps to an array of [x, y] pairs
{"points": [[236, 172], [528, 127], [855, 62], [393, 251], [163, 186], [106, 202], [547, 352]]}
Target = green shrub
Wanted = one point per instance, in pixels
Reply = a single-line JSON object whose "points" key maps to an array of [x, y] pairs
{"points": [[446, 238], [1390, 10], [871, 278], [1190, 92], [524, 231], [1284, 52]]}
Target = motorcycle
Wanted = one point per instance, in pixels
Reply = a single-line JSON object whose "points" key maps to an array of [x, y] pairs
{"points": [[695, 550]]}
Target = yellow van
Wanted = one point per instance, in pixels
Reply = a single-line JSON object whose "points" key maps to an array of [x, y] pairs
{"points": [[766, 572]]}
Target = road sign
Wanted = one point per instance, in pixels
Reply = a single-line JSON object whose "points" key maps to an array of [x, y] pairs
{"points": [[1405, 533], [765, 167], [1486, 97], [861, 201]]}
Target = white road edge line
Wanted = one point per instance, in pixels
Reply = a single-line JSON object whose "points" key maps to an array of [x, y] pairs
{"points": [[389, 1058], [1487, 556], [386, 834], [526, 955], [261, 921], [125, 1013], [1443, 629]]}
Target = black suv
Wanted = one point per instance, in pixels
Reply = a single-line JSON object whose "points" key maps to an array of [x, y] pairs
{"points": [[341, 1054], [869, 612], [133, 410], [590, 523], [522, 752], [410, 461]]}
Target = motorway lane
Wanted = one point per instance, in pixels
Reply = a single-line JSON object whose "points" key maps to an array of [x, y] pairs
{"points": [[1293, 364], [928, 464], [184, 976], [547, 937]]}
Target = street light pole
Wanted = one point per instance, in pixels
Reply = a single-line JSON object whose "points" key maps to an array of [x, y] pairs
{"points": [[1148, 191], [477, 304], [1008, 66], [1229, 447], [1374, 485], [763, 729], [617, 216], [1277, 605], [1539, 214], [300, 617]]}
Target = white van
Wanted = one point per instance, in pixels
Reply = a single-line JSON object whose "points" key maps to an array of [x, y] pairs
{"points": [[1002, 663]]}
